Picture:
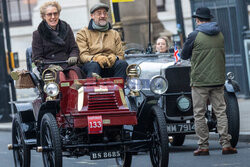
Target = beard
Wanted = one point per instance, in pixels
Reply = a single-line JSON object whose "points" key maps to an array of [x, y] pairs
{"points": [[102, 23]]}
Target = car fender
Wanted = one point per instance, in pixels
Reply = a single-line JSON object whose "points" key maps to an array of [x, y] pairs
{"points": [[25, 111], [27, 119], [48, 106], [231, 86]]}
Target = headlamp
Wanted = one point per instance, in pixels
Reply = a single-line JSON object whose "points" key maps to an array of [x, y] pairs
{"points": [[51, 89], [230, 75], [134, 84], [158, 85], [183, 103]]}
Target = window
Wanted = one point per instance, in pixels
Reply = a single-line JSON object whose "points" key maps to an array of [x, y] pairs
{"points": [[161, 5], [19, 12]]}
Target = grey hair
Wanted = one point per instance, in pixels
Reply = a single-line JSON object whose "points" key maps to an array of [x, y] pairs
{"points": [[46, 5]]}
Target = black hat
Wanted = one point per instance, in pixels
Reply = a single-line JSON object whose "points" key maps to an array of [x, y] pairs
{"points": [[202, 12], [98, 6]]}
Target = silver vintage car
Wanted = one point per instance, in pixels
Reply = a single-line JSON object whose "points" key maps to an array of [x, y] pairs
{"points": [[176, 100]]}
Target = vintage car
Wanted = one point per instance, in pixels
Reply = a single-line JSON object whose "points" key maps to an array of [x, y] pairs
{"points": [[98, 117], [177, 101]]}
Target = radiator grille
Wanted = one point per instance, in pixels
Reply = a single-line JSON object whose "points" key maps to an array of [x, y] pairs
{"points": [[104, 101], [179, 81]]}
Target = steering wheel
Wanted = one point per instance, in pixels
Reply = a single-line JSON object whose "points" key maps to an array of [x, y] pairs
{"points": [[134, 50]]}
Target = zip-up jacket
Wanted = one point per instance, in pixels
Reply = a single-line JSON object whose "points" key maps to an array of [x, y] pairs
{"points": [[205, 48]]}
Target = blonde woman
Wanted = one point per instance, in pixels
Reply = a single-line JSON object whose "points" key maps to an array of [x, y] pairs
{"points": [[54, 41], [162, 45]]}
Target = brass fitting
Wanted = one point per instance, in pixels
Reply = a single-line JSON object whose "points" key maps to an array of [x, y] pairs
{"points": [[133, 71], [10, 147], [170, 139], [39, 149], [49, 75]]}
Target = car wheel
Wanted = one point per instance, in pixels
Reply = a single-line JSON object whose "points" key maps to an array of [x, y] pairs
{"points": [[233, 117], [125, 160], [50, 141], [159, 152], [178, 140], [21, 152]]}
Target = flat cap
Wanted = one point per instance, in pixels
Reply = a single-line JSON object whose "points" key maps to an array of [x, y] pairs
{"points": [[98, 6]]}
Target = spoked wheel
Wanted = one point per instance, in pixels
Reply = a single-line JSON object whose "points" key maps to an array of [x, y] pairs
{"points": [[159, 152], [21, 152], [178, 140], [50, 141], [125, 160], [233, 117]]}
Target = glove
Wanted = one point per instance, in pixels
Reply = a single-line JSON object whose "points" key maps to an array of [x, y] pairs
{"points": [[55, 67], [103, 61], [112, 58], [72, 60]]}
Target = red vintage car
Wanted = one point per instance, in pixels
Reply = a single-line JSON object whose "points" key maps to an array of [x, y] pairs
{"points": [[95, 117]]}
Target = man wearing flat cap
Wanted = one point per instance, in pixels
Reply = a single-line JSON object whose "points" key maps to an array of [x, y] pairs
{"points": [[205, 47], [100, 46]]}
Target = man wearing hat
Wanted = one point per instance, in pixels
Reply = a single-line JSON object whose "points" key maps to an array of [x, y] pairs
{"points": [[205, 47], [100, 46]]}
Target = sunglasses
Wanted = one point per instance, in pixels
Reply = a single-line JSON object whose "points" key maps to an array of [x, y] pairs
{"points": [[50, 14]]}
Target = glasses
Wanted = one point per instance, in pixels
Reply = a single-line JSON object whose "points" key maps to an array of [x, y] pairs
{"points": [[99, 13], [50, 14]]}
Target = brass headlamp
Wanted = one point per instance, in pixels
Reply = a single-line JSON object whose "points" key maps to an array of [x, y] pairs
{"points": [[133, 72], [50, 86]]}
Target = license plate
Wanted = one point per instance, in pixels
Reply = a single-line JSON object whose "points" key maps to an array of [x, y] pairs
{"points": [[181, 127], [104, 154], [95, 125]]}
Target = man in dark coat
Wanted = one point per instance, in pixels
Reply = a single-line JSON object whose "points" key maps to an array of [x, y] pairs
{"points": [[54, 41], [205, 47]]}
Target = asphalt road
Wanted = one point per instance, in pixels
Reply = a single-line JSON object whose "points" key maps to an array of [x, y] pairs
{"points": [[179, 157]]}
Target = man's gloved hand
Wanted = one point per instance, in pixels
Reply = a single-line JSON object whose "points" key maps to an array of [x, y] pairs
{"points": [[72, 60], [55, 67], [103, 61], [112, 58]]}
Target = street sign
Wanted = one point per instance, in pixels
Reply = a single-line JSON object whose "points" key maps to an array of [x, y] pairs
{"points": [[114, 1]]}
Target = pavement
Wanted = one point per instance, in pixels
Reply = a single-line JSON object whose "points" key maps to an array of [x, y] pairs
{"points": [[244, 107]]}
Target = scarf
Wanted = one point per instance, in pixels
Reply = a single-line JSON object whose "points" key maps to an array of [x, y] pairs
{"points": [[56, 31], [100, 28]]}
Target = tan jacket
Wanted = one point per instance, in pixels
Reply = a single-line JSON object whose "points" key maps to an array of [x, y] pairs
{"points": [[92, 42]]}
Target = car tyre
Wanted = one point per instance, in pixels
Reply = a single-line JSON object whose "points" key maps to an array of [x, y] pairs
{"points": [[178, 140], [21, 152], [125, 160], [233, 117], [50, 139], [159, 152]]}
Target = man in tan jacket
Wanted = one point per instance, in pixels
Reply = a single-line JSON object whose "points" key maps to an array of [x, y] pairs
{"points": [[100, 46]]}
